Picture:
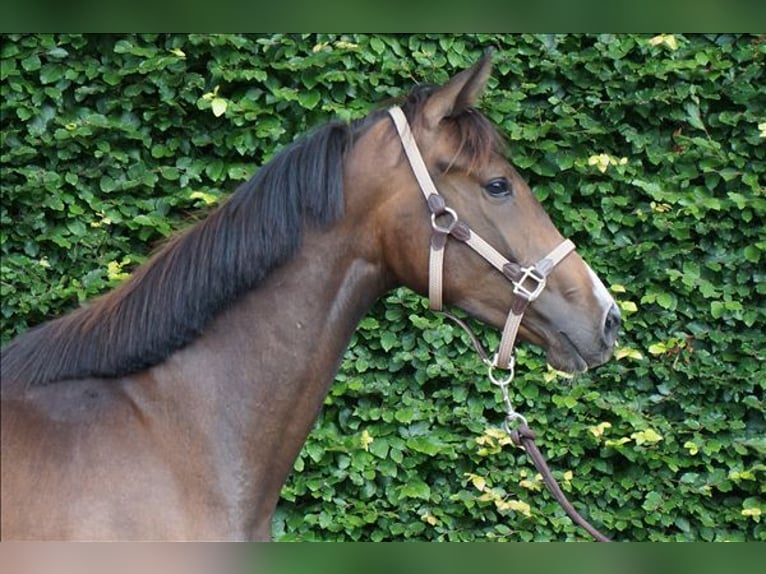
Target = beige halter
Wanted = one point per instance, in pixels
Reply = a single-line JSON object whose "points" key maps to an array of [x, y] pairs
{"points": [[528, 282]]}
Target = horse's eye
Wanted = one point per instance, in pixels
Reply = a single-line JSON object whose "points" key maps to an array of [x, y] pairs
{"points": [[499, 187]]}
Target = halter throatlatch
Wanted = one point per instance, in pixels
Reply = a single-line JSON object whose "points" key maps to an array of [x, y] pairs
{"points": [[528, 283]]}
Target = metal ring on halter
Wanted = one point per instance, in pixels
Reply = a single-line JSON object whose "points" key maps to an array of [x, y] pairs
{"points": [[511, 372], [512, 417], [444, 228]]}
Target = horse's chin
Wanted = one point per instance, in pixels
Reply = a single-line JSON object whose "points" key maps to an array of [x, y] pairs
{"points": [[564, 355], [570, 362]]}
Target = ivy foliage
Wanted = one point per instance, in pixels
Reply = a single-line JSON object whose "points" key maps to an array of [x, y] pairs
{"points": [[648, 151]]}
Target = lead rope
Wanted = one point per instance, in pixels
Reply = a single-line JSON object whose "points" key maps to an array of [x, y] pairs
{"points": [[524, 437], [528, 283]]}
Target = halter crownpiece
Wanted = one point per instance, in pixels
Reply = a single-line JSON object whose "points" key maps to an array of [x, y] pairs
{"points": [[528, 282]]}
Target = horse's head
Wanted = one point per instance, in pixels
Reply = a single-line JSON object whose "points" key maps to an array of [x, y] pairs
{"points": [[574, 318]]}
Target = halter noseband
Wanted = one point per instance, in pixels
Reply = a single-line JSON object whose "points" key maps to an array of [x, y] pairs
{"points": [[528, 282]]}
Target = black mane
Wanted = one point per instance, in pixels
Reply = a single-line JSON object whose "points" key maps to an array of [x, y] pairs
{"points": [[169, 300]]}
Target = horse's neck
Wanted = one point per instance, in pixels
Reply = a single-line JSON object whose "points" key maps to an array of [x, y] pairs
{"points": [[263, 367]]}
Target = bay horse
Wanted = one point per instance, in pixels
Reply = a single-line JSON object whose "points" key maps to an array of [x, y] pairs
{"points": [[173, 407]]}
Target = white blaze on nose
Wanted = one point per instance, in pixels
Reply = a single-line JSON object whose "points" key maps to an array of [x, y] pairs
{"points": [[602, 295]]}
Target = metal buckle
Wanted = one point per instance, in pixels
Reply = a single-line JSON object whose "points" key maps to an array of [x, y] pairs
{"points": [[450, 224], [532, 274]]}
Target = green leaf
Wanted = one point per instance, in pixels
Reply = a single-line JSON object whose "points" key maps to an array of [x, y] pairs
{"points": [[388, 340], [405, 415], [627, 352], [416, 489], [58, 53], [310, 99], [215, 170], [693, 115], [207, 198], [666, 300], [77, 228], [377, 45], [717, 309], [112, 77], [657, 349], [107, 184], [752, 253], [380, 447], [144, 220], [647, 436], [31, 63], [424, 444], [51, 73], [653, 501], [369, 324], [628, 306]]}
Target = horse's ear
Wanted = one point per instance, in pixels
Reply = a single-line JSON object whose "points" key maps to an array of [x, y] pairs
{"points": [[459, 93]]}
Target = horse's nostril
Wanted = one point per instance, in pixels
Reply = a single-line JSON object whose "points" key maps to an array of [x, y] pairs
{"points": [[612, 324]]}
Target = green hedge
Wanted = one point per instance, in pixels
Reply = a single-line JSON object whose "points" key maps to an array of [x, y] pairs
{"points": [[648, 151]]}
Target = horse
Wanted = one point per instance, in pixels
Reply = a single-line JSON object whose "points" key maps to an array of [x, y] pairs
{"points": [[174, 406]]}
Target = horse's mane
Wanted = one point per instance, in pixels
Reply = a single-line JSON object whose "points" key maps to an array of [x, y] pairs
{"points": [[169, 300]]}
